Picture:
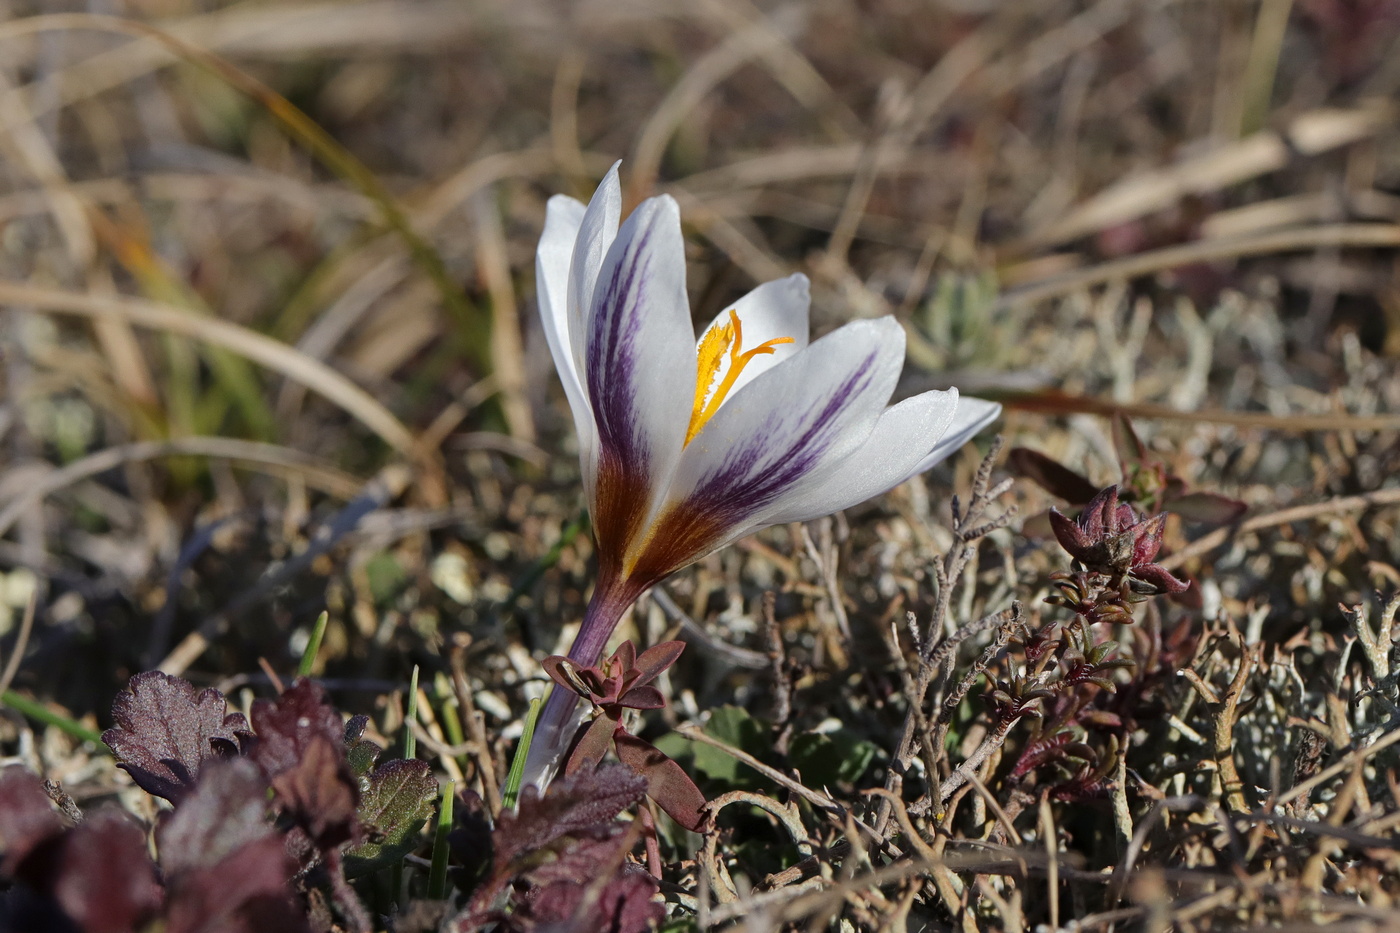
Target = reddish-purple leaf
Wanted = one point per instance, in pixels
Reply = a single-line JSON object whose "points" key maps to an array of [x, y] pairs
{"points": [[95, 878], [1147, 539], [1131, 450], [1051, 475], [1068, 533], [245, 893], [165, 731], [101, 877], [301, 752], [227, 810], [592, 745], [576, 859], [1039, 752], [1190, 598], [27, 816], [572, 803], [564, 672], [656, 659], [227, 869], [320, 794], [644, 697], [286, 726], [576, 811], [625, 657], [625, 905], [667, 782], [1158, 577], [1207, 508]]}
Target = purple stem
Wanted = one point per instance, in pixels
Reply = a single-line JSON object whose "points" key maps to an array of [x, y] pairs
{"points": [[559, 719]]}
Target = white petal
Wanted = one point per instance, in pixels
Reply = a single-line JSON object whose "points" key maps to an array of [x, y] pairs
{"points": [[973, 415], [596, 233], [773, 310], [640, 364], [553, 259], [815, 409], [892, 453]]}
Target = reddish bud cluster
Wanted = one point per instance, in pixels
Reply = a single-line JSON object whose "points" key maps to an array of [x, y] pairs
{"points": [[1111, 538]]}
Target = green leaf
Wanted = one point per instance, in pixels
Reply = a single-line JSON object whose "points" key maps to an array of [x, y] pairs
{"points": [[829, 759], [385, 575], [393, 809], [734, 726]]}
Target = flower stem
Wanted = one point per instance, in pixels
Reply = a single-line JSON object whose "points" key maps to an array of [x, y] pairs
{"points": [[562, 713]]}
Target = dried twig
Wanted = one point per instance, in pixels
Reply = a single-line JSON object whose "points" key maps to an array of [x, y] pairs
{"points": [[969, 526], [1224, 742]]}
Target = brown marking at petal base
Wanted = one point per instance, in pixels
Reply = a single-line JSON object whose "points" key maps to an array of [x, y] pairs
{"points": [[623, 494], [682, 535]]}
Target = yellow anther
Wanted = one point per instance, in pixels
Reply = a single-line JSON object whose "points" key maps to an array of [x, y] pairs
{"points": [[727, 337]]}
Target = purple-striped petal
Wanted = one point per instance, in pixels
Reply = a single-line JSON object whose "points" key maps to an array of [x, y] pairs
{"points": [[816, 408], [639, 371]]}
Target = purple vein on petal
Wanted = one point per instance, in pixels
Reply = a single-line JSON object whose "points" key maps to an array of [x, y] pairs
{"points": [[614, 354], [614, 357], [754, 475]]}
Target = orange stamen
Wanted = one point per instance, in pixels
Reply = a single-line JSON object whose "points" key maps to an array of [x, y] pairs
{"points": [[719, 339]]}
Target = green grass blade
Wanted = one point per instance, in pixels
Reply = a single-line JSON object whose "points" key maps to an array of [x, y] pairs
{"points": [[517, 765], [410, 741], [41, 713], [313, 646], [437, 875]]}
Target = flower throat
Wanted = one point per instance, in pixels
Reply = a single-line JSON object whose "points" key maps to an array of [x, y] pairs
{"points": [[719, 342]]}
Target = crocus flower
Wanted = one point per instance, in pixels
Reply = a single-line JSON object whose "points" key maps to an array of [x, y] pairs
{"points": [[687, 446]]}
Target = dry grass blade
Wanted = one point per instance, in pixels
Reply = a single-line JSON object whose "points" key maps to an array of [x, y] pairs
{"points": [[1308, 134], [174, 186], [1056, 402], [31, 150], [284, 459], [740, 47], [281, 30], [26, 626], [791, 67], [315, 375], [507, 346], [323, 146], [1353, 236]]}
